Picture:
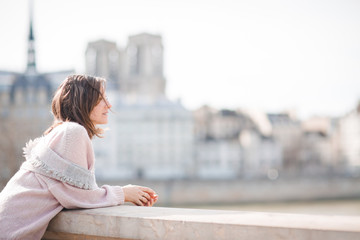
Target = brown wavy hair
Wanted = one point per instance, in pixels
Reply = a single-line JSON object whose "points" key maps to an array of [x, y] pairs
{"points": [[74, 100]]}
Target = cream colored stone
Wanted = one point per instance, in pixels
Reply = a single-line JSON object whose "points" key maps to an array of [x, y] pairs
{"points": [[132, 222]]}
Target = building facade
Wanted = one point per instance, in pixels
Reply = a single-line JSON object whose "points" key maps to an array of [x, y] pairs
{"points": [[150, 136], [25, 105], [103, 59], [233, 144], [146, 141], [349, 128]]}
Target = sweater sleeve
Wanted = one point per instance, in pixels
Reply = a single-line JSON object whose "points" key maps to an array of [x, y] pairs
{"points": [[72, 197]]}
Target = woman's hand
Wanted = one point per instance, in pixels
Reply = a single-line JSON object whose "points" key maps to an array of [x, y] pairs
{"points": [[140, 196]]}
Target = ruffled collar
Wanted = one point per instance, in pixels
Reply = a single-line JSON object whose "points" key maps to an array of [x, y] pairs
{"points": [[43, 160]]}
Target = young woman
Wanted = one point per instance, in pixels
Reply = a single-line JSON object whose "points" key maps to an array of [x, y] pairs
{"points": [[59, 168]]}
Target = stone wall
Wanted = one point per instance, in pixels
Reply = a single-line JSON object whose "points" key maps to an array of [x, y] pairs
{"points": [[131, 222]]}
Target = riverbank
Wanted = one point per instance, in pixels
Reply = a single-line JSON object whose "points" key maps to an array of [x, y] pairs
{"points": [[346, 207], [233, 192]]}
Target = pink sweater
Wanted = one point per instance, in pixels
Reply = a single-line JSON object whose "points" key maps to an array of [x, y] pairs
{"points": [[58, 173]]}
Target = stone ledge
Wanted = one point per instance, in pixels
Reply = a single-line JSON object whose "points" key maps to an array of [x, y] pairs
{"points": [[131, 222]]}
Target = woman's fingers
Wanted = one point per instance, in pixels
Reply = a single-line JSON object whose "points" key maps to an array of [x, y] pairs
{"points": [[150, 194], [138, 202], [144, 200], [148, 190], [146, 195], [140, 196], [148, 201]]}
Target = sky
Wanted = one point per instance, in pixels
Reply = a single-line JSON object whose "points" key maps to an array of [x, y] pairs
{"points": [[271, 56]]}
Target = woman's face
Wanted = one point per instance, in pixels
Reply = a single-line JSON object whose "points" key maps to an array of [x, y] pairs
{"points": [[99, 115]]}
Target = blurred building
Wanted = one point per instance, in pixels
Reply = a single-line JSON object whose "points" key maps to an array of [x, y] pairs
{"points": [[350, 138], [151, 137], [25, 99], [146, 141], [143, 77], [286, 130], [217, 151], [320, 144], [231, 144], [104, 59], [135, 71]]}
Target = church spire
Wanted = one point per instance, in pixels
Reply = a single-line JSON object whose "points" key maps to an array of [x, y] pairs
{"points": [[31, 61]]}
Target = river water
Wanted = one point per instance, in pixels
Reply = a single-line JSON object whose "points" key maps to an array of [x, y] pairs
{"points": [[323, 207]]}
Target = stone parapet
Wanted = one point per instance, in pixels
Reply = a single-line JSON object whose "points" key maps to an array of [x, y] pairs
{"points": [[131, 222]]}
